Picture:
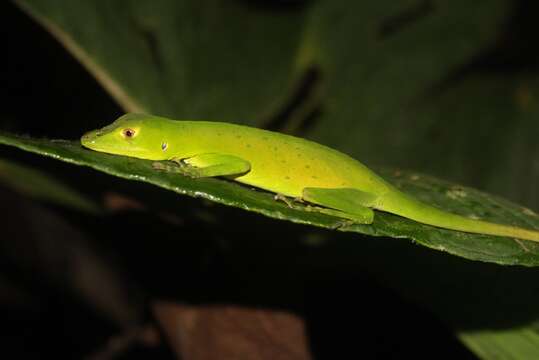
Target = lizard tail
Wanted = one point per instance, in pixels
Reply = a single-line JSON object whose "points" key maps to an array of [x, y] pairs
{"points": [[405, 206]]}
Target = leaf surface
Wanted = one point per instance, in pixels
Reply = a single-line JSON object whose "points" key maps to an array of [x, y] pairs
{"points": [[445, 195]]}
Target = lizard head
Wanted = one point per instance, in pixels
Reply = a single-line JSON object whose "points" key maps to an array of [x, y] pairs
{"points": [[135, 135]]}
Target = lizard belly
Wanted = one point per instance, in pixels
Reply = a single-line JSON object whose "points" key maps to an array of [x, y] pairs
{"points": [[290, 181]]}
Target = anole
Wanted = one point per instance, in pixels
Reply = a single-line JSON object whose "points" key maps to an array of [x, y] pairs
{"points": [[333, 182]]}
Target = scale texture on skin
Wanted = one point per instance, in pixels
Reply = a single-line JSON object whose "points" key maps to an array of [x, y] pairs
{"points": [[278, 163]]}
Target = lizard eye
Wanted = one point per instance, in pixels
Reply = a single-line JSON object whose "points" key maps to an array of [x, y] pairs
{"points": [[128, 133]]}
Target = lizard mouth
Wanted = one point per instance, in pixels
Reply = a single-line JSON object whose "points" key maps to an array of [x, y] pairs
{"points": [[88, 139], [92, 140]]}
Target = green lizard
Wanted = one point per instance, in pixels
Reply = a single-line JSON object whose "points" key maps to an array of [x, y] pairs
{"points": [[335, 183]]}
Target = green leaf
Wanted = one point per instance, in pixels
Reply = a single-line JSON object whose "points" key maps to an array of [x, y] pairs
{"points": [[448, 196], [181, 57], [238, 61], [490, 137], [395, 53], [515, 343]]}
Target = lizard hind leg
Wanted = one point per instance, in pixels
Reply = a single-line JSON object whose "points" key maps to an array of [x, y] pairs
{"points": [[347, 203]]}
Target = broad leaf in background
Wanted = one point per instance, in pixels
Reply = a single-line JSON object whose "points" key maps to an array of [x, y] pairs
{"points": [[180, 58], [491, 136], [448, 196], [378, 57]]}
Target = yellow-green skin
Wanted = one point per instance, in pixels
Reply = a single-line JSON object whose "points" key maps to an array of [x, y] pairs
{"points": [[279, 163]]}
